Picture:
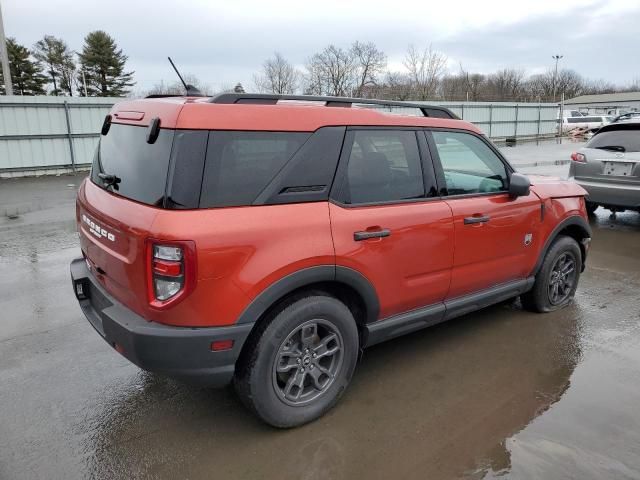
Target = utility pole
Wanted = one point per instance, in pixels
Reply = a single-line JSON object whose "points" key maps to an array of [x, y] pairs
{"points": [[4, 57], [555, 75], [84, 82], [84, 79]]}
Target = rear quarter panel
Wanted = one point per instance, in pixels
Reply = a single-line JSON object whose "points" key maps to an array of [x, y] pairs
{"points": [[240, 252]]}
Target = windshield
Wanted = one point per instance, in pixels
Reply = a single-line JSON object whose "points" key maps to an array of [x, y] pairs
{"points": [[125, 164], [623, 140]]}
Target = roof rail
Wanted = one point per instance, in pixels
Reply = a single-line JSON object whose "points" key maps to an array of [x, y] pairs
{"points": [[272, 99], [191, 92]]}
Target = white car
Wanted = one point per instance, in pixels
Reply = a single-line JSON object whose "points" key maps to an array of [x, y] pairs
{"points": [[589, 122]]}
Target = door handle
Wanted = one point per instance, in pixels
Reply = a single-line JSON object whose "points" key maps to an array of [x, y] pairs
{"points": [[359, 236], [478, 219]]}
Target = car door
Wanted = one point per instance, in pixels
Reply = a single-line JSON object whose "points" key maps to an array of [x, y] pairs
{"points": [[387, 220], [495, 235]]}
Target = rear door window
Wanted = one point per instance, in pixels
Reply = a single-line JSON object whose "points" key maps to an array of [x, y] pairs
{"points": [[239, 165], [383, 166], [139, 169]]}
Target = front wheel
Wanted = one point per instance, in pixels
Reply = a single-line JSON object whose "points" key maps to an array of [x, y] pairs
{"points": [[557, 280], [299, 361]]}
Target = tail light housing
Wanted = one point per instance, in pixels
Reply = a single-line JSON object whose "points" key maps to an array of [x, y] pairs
{"points": [[578, 157], [171, 271]]}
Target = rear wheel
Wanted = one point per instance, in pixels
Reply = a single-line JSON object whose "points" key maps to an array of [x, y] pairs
{"points": [[591, 207], [557, 279], [299, 362]]}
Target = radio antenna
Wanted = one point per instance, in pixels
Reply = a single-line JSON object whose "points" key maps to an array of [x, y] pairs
{"points": [[190, 89]]}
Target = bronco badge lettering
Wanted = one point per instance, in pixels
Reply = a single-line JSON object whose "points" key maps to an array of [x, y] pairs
{"points": [[97, 230]]}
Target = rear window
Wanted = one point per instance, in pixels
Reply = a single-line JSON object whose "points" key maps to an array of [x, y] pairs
{"points": [[240, 165], [139, 169], [622, 139]]}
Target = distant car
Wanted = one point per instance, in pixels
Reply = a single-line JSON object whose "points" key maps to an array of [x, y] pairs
{"points": [[608, 167], [571, 113], [590, 122], [627, 117]]}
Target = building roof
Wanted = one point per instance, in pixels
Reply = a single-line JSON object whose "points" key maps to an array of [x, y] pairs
{"points": [[606, 98]]}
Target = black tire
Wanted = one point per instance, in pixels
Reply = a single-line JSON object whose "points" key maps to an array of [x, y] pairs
{"points": [[540, 298], [288, 330], [591, 208]]}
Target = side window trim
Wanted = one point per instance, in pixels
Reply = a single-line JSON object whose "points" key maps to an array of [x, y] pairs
{"points": [[337, 193], [437, 164], [428, 170], [331, 139]]}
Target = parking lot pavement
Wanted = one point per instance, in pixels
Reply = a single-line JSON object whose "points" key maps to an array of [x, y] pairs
{"points": [[500, 392], [548, 157]]}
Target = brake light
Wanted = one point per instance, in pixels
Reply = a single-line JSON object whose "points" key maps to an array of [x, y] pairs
{"points": [[578, 157], [171, 271]]}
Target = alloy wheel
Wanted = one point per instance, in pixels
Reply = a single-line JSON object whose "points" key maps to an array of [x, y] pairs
{"points": [[562, 278], [308, 362]]}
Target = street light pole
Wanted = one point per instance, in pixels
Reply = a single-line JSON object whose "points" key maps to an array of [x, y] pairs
{"points": [[555, 75], [84, 78], [4, 58], [84, 82]]}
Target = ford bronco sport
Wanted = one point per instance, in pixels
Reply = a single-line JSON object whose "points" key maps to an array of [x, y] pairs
{"points": [[266, 240]]}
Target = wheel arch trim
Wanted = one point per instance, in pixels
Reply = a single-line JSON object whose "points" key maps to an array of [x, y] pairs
{"points": [[307, 277], [572, 221]]}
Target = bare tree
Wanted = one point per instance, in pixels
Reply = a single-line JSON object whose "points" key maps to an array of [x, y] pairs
{"points": [[633, 86], [506, 84], [370, 63], [572, 84], [176, 88], [277, 76], [315, 82], [569, 82], [331, 72], [453, 87], [425, 69]]}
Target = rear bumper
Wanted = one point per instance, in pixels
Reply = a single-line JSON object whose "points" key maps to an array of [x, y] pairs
{"points": [[177, 352], [610, 193]]}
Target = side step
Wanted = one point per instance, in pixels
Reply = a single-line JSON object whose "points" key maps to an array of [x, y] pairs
{"points": [[420, 318]]}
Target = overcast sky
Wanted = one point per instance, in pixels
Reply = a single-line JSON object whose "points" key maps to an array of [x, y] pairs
{"points": [[225, 42]]}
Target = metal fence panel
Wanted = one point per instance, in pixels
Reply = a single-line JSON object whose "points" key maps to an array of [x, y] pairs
{"points": [[507, 119], [34, 133]]}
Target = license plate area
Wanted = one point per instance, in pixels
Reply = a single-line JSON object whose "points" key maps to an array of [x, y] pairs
{"points": [[618, 169]]}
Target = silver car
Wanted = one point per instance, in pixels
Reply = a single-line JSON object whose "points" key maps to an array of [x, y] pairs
{"points": [[608, 167]]}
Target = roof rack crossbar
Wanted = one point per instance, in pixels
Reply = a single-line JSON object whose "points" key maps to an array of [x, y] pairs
{"points": [[272, 99]]}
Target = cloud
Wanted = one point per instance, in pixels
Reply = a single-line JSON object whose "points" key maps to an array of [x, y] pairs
{"points": [[226, 42]]}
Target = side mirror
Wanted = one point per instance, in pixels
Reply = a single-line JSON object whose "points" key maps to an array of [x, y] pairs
{"points": [[518, 185]]}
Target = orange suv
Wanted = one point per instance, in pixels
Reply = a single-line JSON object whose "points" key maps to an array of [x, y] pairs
{"points": [[266, 240]]}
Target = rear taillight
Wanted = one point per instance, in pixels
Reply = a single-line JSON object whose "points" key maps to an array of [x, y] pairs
{"points": [[578, 157], [171, 268]]}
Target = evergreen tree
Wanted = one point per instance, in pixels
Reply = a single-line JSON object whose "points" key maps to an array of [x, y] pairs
{"points": [[103, 65], [26, 74], [57, 59]]}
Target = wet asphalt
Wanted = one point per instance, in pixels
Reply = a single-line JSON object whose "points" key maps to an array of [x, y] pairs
{"points": [[498, 393]]}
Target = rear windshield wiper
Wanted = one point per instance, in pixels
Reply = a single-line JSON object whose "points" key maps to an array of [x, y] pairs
{"points": [[613, 148], [109, 180]]}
